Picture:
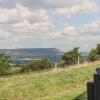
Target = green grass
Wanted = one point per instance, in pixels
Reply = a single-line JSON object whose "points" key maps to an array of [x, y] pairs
{"points": [[82, 96], [62, 84]]}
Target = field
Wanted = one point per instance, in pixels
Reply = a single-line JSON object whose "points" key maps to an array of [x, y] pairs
{"points": [[58, 84]]}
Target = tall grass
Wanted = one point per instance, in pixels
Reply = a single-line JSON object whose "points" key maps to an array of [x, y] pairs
{"points": [[59, 84]]}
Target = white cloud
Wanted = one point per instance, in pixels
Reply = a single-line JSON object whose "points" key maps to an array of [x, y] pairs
{"points": [[26, 26], [40, 14], [7, 14], [4, 34], [25, 20], [23, 12], [33, 24], [69, 35], [15, 14], [92, 27], [80, 8], [70, 30]]}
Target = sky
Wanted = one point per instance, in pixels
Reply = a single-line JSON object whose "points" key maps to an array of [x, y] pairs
{"points": [[61, 24]]}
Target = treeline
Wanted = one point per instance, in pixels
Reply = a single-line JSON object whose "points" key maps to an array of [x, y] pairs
{"points": [[71, 57]]}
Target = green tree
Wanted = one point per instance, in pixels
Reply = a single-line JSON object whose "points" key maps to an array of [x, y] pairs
{"points": [[92, 55], [71, 57], [5, 64]]}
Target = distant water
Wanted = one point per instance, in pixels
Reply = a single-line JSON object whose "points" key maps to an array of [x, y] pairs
{"points": [[26, 55], [22, 56]]}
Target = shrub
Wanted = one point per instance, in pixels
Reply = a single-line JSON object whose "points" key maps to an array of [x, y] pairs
{"points": [[5, 64], [38, 65], [61, 63]]}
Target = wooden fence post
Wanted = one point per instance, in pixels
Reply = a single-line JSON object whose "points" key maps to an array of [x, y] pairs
{"points": [[93, 88], [90, 90]]}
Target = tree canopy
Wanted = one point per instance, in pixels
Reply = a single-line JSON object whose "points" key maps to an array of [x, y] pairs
{"points": [[94, 54], [71, 57]]}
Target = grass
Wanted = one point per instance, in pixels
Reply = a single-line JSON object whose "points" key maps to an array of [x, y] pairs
{"points": [[82, 96], [59, 84]]}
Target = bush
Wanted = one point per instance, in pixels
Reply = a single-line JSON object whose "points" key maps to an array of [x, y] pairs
{"points": [[15, 71], [38, 65], [5, 64], [61, 64]]}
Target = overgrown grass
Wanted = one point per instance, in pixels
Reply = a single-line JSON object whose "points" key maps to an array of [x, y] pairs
{"points": [[60, 84]]}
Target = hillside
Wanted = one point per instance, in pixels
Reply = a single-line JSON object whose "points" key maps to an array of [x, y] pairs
{"points": [[21, 56], [60, 84]]}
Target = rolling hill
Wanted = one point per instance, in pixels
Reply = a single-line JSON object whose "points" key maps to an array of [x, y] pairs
{"points": [[21, 56]]}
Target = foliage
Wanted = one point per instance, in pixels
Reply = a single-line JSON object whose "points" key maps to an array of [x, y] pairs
{"points": [[61, 63], [15, 71], [71, 57], [63, 84], [5, 64], [92, 55], [37, 65]]}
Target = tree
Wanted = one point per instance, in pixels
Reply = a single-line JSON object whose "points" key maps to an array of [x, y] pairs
{"points": [[92, 55], [71, 57], [5, 64]]}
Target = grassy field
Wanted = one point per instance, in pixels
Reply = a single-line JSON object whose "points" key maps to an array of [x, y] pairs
{"points": [[59, 84]]}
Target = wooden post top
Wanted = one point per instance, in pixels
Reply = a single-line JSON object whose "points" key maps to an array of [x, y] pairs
{"points": [[98, 71]]}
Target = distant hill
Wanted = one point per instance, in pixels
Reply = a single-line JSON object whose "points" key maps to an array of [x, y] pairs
{"points": [[27, 54]]}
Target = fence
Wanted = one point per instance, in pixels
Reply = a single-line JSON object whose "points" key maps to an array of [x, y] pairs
{"points": [[93, 88]]}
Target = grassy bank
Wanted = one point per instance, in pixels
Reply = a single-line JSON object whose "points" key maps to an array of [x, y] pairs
{"points": [[59, 84]]}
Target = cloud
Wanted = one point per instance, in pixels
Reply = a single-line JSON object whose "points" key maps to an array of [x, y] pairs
{"points": [[39, 23], [7, 15], [80, 8], [93, 27], [4, 34], [48, 4], [15, 14], [70, 36], [26, 26], [70, 31], [23, 11]]}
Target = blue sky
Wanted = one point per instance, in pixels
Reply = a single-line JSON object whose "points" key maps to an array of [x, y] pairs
{"points": [[61, 24]]}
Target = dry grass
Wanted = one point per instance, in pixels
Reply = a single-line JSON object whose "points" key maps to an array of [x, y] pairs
{"points": [[58, 84]]}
